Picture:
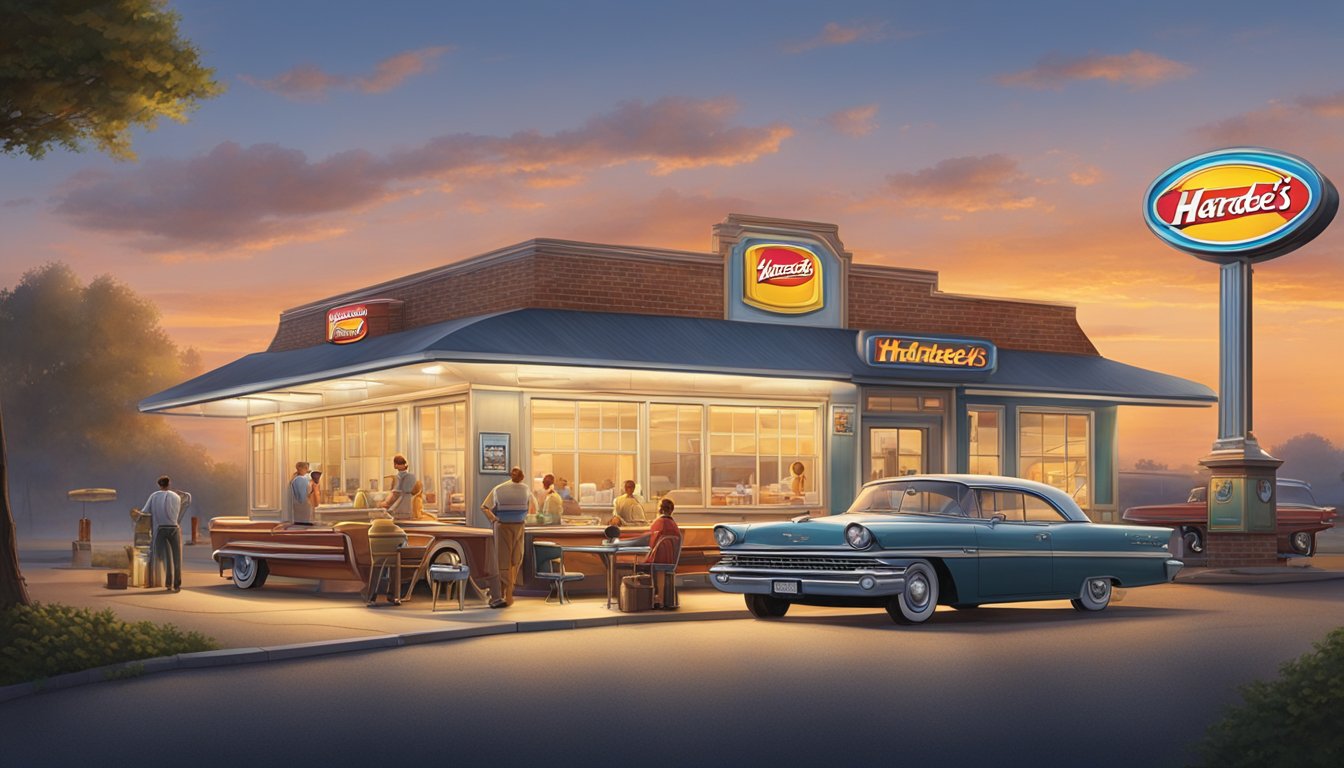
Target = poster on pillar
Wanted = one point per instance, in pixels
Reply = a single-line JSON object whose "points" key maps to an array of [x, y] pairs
{"points": [[1234, 509]]}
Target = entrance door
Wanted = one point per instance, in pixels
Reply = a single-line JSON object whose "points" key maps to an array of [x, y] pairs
{"points": [[901, 449]]}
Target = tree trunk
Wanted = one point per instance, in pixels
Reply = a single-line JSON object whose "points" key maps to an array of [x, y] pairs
{"points": [[13, 589]]}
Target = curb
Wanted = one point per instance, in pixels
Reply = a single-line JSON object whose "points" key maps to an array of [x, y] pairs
{"points": [[1265, 575], [233, 656]]}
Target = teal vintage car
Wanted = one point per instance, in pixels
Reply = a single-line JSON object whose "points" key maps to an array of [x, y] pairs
{"points": [[911, 543]]}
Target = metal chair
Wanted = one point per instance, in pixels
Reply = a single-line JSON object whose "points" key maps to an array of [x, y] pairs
{"points": [[667, 596], [454, 576], [548, 564]]}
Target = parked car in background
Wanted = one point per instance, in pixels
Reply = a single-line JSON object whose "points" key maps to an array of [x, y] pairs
{"points": [[911, 543], [1300, 518]]}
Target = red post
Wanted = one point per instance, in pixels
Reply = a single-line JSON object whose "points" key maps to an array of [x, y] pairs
{"points": [[195, 527]]}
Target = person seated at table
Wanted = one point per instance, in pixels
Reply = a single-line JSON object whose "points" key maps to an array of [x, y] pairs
{"points": [[663, 527], [627, 508]]}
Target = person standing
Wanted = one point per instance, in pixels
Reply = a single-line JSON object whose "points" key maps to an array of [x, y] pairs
{"points": [[507, 506], [301, 512], [399, 503], [552, 506], [314, 492], [165, 507]]}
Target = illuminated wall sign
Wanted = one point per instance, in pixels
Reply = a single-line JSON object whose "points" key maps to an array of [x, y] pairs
{"points": [[1241, 204], [348, 324], [787, 279], [905, 351]]}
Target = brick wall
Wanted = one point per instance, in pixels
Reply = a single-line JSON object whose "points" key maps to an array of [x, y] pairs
{"points": [[897, 304], [561, 275], [541, 279], [1233, 550]]}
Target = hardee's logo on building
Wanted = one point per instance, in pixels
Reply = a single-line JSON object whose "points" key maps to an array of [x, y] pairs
{"points": [[782, 278], [1240, 204], [887, 349], [348, 324]]}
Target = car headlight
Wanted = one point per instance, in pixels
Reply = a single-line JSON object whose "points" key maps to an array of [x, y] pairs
{"points": [[724, 536], [858, 536]]}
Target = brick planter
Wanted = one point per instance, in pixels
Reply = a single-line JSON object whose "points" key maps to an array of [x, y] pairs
{"points": [[1241, 550]]}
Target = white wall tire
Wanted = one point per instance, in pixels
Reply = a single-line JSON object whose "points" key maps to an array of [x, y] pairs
{"points": [[249, 572], [919, 599], [1302, 543], [1094, 595]]}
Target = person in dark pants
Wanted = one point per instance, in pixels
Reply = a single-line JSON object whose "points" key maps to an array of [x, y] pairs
{"points": [[165, 508]]}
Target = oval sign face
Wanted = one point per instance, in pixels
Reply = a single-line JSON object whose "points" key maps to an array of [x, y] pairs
{"points": [[782, 278], [1241, 204]]}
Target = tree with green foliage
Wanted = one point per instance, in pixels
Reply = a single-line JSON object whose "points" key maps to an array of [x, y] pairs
{"points": [[73, 71], [85, 70]]}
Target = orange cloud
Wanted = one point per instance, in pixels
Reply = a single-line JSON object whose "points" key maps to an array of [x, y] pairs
{"points": [[1139, 69], [308, 82], [835, 33], [964, 184], [1306, 120], [262, 195], [856, 121]]}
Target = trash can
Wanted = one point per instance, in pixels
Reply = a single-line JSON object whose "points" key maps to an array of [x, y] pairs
{"points": [[636, 593]]}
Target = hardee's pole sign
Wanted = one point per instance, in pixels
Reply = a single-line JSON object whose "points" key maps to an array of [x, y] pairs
{"points": [[1240, 204], [782, 278], [348, 324], [905, 351]]}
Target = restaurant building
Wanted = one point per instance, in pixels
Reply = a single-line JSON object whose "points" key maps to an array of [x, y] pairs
{"points": [[767, 376]]}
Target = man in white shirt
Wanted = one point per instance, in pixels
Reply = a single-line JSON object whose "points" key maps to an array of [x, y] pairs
{"points": [[301, 510], [627, 508], [165, 507]]}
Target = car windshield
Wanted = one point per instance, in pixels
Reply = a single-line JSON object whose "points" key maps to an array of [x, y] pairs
{"points": [[915, 497]]}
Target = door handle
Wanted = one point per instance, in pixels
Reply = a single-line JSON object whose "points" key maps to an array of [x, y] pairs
{"points": [[1042, 537]]}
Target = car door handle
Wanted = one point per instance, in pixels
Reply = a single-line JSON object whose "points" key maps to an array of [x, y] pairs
{"points": [[1042, 537]]}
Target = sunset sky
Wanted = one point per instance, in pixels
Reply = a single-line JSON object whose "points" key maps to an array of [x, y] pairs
{"points": [[1005, 145]]}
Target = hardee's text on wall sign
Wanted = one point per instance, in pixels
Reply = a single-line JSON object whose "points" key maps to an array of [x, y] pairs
{"points": [[783, 278], [348, 324], [901, 350], [1241, 204]]}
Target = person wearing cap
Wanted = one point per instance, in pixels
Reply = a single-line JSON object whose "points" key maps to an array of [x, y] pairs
{"points": [[507, 506]]}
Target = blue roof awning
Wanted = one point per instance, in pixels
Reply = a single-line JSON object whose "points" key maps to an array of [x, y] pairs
{"points": [[654, 342]]}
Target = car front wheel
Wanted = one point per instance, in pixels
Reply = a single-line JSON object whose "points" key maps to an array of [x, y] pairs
{"points": [[1094, 596], [1194, 540], [1303, 543], [249, 572], [919, 600], [767, 606]]}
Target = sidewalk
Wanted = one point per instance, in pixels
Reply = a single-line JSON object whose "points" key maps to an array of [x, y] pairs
{"points": [[290, 618]]}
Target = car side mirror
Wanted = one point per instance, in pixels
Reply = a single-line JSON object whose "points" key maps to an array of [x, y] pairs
{"points": [[996, 518]]}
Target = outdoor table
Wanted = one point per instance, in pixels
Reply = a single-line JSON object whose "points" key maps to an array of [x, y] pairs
{"points": [[609, 553]]}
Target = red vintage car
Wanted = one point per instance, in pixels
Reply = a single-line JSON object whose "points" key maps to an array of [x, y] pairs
{"points": [[339, 551], [1299, 516]]}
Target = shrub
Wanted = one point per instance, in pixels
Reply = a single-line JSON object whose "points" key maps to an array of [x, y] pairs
{"points": [[1291, 721], [42, 640]]}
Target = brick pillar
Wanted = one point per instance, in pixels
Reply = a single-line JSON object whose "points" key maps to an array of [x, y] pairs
{"points": [[1241, 550]]}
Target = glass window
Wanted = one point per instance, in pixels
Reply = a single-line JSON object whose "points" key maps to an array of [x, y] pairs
{"points": [[915, 497], [675, 457], [594, 445], [1054, 448], [264, 486], [985, 447], [763, 456], [443, 454], [352, 452]]}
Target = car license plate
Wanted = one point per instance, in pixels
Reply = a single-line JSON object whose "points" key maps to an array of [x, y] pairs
{"points": [[784, 587]]}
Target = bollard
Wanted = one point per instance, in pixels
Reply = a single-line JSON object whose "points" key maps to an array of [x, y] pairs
{"points": [[195, 527]]}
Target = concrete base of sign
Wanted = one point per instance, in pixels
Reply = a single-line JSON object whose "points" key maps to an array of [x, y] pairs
{"points": [[81, 554]]}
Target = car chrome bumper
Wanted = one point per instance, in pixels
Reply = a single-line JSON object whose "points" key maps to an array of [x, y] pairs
{"points": [[1174, 567], [753, 581]]}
